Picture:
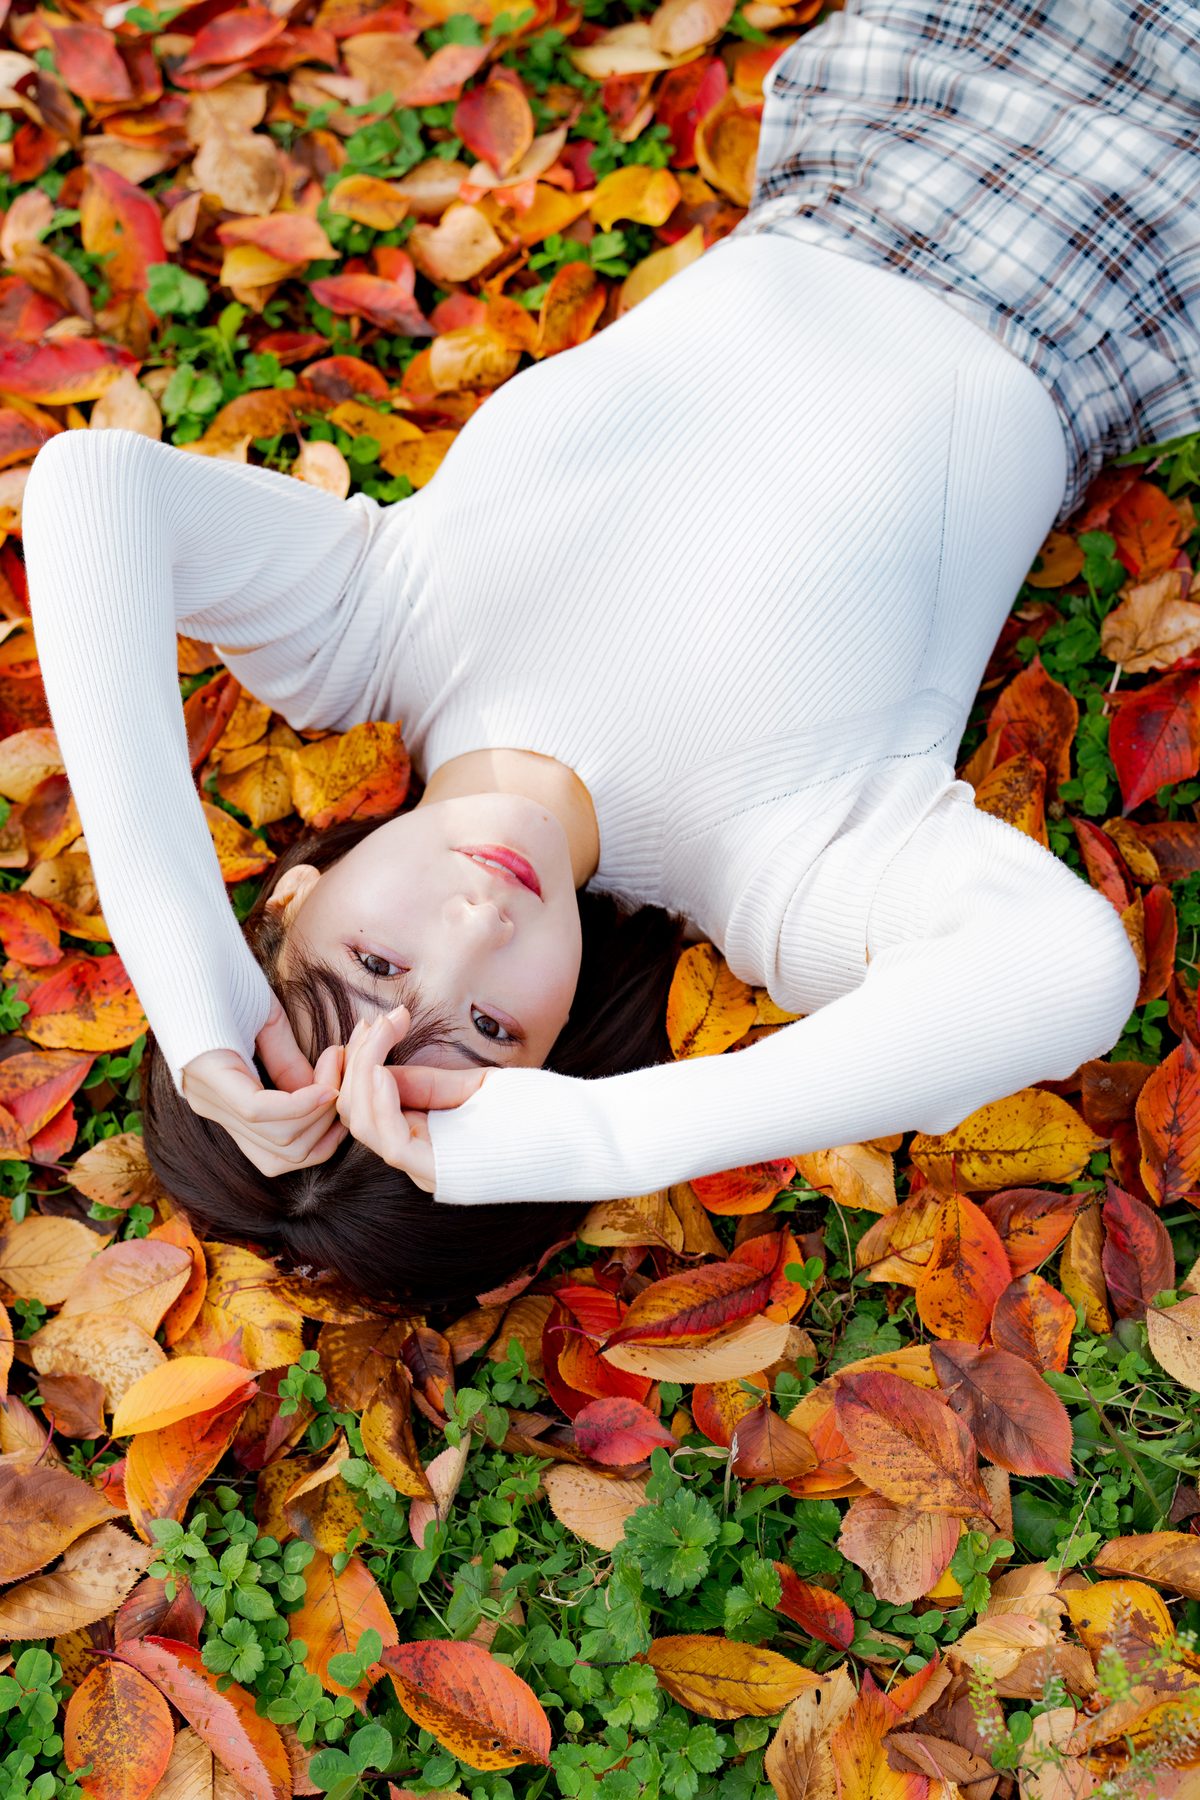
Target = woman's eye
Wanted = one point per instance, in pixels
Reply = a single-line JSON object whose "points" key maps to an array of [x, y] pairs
{"points": [[388, 971], [495, 1036]]}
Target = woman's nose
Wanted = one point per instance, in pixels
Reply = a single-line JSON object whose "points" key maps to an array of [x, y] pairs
{"points": [[481, 917]]}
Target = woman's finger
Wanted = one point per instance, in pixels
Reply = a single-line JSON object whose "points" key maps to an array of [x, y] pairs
{"points": [[427, 1089], [325, 1145], [281, 1055], [399, 1143], [270, 1109], [302, 1144]]}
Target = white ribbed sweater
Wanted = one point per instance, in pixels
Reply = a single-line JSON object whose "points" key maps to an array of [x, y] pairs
{"points": [[740, 561]]}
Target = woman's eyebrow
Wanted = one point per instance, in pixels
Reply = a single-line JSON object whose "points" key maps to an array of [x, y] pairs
{"points": [[485, 1062]]}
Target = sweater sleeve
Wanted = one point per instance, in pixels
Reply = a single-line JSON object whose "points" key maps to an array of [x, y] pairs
{"points": [[129, 542], [992, 966]]}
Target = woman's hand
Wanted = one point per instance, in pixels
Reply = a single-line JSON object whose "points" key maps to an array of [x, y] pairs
{"points": [[293, 1125], [372, 1095]]}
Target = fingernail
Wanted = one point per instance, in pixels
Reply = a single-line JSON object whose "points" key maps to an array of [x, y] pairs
{"points": [[398, 1012]]}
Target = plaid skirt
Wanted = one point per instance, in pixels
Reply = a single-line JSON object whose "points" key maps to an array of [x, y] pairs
{"points": [[1038, 162]]}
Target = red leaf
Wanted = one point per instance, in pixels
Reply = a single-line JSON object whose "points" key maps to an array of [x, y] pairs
{"points": [[684, 96], [87, 58], [231, 36], [617, 1431], [1154, 736], [822, 1614], [1016, 1421], [382, 302], [1137, 1259]]}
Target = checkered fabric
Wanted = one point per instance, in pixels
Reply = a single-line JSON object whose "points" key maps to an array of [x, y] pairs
{"points": [[1039, 163]]}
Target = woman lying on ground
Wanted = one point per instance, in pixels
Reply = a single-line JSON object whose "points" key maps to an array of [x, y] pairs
{"points": [[691, 618]]}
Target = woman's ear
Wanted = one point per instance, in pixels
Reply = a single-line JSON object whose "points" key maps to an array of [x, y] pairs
{"points": [[292, 890]]}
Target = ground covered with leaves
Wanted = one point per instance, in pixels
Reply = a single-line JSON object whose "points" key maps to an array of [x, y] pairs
{"points": [[867, 1475]]}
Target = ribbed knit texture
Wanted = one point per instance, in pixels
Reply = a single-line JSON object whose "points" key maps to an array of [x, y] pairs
{"points": [[740, 561]]}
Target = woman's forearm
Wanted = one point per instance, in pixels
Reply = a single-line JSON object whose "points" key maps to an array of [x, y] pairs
{"points": [[129, 542]]}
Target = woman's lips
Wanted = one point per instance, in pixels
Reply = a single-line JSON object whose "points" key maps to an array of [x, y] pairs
{"points": [[511, 865]]}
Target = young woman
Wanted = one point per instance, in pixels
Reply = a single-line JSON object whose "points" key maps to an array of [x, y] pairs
{"points": [[692, 616]]}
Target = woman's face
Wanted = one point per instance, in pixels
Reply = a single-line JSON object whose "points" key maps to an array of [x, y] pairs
{"points": [[485, 952]]}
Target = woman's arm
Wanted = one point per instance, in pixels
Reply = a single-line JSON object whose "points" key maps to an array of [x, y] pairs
{"points": [[992, 966], [129, 542]]}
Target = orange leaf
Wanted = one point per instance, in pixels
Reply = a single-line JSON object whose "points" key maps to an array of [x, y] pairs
{"points": [[1146, 528], [182, 1312], [1038, 717], [859, 1751], [386, 303], [1080, 1270], [766, 1447], [61, 370], [139, 1278], [1031, 1223], [369, 201], [966, 1273], [475, 1707], [570, 308], [121, 222], [119, 1722], [1033, 1320], [1059, 561], [164, 1468], [750, 1189], [718, 1405], [772, 1252], [904, 1550], [246, 1745], [908, 1445], [29, 930], [636, 191], [177, 1390], [387, 1434], [362, 773], [336, 1610], [1171, 1559], [293, 237]]}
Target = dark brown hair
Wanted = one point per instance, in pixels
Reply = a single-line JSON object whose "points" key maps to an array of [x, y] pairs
{"points": [[354, 1216]]}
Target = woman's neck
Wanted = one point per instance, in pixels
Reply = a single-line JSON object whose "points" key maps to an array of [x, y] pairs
{"points": [[542, 778]]}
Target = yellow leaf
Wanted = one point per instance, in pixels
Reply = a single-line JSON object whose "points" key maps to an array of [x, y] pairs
{"points": [[648, 196], [708, 1008], [660, 265], [725, 1680], [1027, 1140]]}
